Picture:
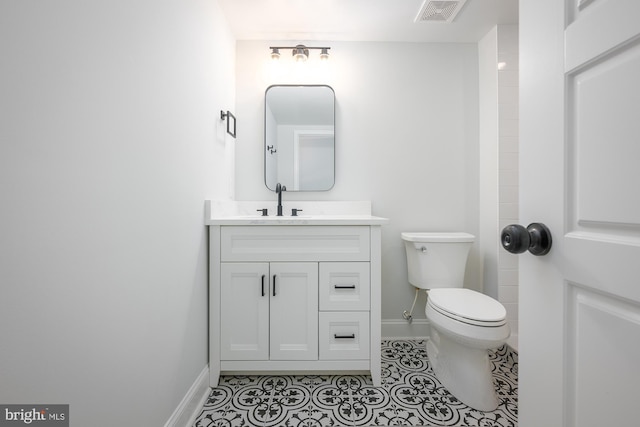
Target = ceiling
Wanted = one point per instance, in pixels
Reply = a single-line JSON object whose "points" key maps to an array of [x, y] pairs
{"points": [[361, 20]]}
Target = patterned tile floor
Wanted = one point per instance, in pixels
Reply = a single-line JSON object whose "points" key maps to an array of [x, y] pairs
{"points": [[410, 396]]}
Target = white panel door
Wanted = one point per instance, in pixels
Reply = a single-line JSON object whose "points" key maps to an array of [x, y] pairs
{"points": [[579, 154], [244, 313], [294, 311]]}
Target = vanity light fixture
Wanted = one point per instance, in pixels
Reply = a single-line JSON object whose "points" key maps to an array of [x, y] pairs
{"points": [[299, 52]]}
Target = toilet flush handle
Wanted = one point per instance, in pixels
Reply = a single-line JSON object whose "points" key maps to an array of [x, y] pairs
{"points": [[419, 247]]}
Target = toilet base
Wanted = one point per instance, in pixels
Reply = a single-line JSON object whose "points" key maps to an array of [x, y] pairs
{"points": [[464, 371]]}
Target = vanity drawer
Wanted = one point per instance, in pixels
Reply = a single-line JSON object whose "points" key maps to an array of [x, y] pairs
{"points": [[344, 286], [295, 243], [343, 335]]}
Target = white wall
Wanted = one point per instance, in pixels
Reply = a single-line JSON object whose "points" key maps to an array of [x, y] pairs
{"points": [[498, 71], [508, 168], [110, 142], [489, 153], [406, 139]]}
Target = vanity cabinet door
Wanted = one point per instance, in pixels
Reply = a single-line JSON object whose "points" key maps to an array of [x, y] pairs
{"points": [[244, 312], [294, 310], [269, 311]]}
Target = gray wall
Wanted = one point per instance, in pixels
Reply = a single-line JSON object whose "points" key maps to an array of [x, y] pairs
{"points": [[109, 145], [406, 139]]}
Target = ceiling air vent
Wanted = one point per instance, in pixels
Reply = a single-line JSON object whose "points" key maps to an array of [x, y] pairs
{"points": [[439, 11]]}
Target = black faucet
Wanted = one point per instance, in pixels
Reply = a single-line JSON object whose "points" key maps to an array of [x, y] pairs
{"points": [[279, 190]]}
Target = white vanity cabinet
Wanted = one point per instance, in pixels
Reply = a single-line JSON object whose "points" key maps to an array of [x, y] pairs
{"points": [[296, 297]]}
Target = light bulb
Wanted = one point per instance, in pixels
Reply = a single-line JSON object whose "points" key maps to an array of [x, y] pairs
{"points": [[300, 53]]}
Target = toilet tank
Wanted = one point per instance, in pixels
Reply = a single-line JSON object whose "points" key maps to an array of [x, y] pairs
{"points": [[437, 260]]}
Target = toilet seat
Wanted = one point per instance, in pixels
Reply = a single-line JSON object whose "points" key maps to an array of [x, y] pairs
{"points": [[467, 306]]}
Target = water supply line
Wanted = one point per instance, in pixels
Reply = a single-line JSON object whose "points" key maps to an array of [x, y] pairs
{"points": [[408, 316]]}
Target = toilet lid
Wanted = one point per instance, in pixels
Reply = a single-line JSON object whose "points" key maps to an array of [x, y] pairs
{"points": [[468, 306]]}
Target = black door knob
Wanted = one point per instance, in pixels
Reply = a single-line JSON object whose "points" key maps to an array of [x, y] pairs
{"points": [[536, 238], [515, 238]]}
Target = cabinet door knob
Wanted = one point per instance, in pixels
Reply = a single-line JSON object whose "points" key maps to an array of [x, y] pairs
{"points": [[274, 285], [342, 337], [263, 284]]}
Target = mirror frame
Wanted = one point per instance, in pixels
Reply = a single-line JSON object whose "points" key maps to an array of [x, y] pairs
{"points": [[268, 149]]}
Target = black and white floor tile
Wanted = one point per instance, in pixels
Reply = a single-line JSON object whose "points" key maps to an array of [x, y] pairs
{"points": [[410, 396]]}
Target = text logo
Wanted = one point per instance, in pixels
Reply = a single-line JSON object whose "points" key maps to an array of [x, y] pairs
{"points": [[34, 415]]}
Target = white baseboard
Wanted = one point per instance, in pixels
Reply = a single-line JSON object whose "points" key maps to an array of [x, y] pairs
{"points": [[189, 408], [400, 328]]}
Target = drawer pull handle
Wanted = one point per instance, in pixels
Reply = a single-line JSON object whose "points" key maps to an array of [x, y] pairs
{"points": [[263, 284], [341, 337], [344, 286]]}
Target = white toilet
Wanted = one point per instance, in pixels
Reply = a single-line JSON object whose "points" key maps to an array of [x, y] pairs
{"points": [[464, 323]]}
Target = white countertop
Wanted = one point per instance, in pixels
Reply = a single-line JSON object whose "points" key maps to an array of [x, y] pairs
{"points": [[298, 220], [314, 213]]}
